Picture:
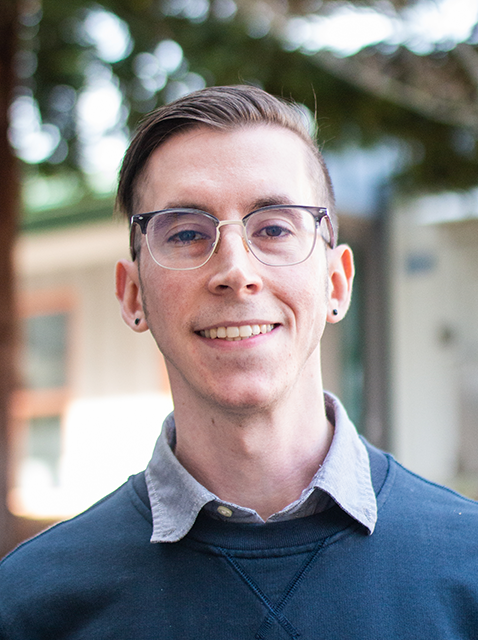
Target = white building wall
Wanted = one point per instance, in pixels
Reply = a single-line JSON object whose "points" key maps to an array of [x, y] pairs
{"points": [[463, 237], [432, 330]]}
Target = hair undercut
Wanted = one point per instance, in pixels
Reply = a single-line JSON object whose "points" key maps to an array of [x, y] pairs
{"points": [[223, 108]]}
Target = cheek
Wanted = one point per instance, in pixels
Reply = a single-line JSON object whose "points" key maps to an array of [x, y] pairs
{"points": [[314, 302], [311, 286], [154, 295], [168, 299], [306, 300]]}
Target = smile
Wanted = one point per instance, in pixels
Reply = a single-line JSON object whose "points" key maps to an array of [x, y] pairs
{"points": [[242, 332]]}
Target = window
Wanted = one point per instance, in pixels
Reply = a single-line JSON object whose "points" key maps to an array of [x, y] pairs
{"points": [[45, 351], [40, 403], [40, 466]]}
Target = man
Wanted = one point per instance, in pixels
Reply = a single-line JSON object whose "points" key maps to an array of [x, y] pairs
{"points": [[262, 514]]}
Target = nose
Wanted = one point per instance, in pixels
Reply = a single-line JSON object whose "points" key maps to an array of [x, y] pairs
{"points": [[233, 267]]}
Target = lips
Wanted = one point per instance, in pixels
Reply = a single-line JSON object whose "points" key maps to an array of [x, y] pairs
{"points": [[240, 332]]}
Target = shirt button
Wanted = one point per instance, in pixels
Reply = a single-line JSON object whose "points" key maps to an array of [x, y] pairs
{"points": [[224, 511]]}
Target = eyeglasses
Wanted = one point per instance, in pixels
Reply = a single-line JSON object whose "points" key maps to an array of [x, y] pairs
{"points": [[183, 239]]}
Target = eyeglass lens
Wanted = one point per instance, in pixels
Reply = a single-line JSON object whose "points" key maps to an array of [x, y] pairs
{"points": [[186, 240]]}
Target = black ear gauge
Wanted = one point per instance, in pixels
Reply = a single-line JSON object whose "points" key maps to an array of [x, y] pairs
{"points": [[137, 321], [335, 312]]}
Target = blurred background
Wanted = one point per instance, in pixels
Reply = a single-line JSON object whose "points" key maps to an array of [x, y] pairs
{"points": [[394, 84]]}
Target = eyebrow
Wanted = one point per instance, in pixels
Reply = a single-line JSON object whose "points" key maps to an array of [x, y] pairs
{"points": [[265, 201], [184, 205], [270, 201]]}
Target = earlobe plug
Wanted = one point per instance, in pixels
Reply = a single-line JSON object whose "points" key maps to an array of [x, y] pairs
{"points": [[137, 321], [335, 312]]}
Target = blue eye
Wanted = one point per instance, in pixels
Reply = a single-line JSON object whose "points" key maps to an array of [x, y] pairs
{"points": [[185, 237], [274, 231]]}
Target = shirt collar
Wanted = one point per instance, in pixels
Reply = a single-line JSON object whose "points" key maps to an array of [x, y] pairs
{"points": [[177, 498], [345, 474]]}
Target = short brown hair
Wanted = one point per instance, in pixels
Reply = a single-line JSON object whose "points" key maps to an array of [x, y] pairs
{"points": [[219, 108]]}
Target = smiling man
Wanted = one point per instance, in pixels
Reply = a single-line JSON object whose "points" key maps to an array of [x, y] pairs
{"points": [[262, 514], [246, 432]]}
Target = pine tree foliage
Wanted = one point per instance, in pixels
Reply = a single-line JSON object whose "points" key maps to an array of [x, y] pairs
{"points": [[428, 102]]}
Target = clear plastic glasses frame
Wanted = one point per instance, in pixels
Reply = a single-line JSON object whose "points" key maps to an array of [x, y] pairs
{"points": [[182, 239]]}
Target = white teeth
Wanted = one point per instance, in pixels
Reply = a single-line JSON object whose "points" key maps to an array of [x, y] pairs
{"points": [[245, 331], [232, 332], [241, 332]]}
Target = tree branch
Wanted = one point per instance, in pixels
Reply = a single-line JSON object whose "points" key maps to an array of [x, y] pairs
{"points": [[365, 73]]}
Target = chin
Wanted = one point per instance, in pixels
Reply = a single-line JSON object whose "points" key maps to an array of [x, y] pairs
{"points": [[244, 401]]}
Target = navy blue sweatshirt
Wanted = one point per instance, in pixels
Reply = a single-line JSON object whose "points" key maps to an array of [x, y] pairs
{"points": [[98, 577]]}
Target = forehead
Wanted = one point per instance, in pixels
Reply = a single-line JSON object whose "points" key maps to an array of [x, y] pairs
{"points": [[256, 158]]}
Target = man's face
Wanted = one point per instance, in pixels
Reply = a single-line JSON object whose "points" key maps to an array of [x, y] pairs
{"points": [[230, 174]]}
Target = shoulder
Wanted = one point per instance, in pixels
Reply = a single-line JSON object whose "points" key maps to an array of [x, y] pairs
{"points": [[118, 520], [62, 579], [412, 505], [392, 479], [425, 532], [416, 491]]}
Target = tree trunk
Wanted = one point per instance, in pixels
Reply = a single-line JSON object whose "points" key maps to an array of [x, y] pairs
{"points": [[9, 203]]}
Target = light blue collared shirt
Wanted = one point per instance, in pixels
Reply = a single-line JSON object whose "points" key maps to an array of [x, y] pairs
{"points": [[343, 478]]}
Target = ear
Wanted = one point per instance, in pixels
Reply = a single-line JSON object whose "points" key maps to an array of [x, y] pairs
{"points": [[341, 275], [128, 292]]}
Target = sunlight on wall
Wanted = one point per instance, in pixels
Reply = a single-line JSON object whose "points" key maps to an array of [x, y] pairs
{"points": [[105, 441]]}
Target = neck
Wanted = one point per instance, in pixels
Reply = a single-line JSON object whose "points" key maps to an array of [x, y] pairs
{"points": [[256, 459]]}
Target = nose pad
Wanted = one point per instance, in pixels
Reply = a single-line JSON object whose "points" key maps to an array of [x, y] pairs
{"points": [[218, 242], [243, 234]]}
